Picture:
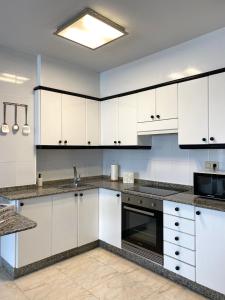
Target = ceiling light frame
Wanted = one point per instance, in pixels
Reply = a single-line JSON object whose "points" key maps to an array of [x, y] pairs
{"points": [[91, 12]]}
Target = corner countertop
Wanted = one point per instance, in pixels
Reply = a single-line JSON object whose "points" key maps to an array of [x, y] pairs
{"points": [[15, 224], [55, 187]]}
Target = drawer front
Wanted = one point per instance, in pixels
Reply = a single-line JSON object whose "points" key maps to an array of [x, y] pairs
{"points": [[179, 238], [180, 253], [179, 224], [179, 210], [179, 267]]}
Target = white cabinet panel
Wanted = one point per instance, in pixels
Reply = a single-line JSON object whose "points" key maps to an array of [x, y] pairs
{"points": [[179, 209], [64, 222], [179, 224], [110, 217], [217, 108], [180, 253], [179, 238], [146, 106], [35, 244], [193, 112], [166, 102], [179, 267], [50, 118], [88, 224], [127, 120], [73, 120], [109, 122], [92, 122], [210, 249]]}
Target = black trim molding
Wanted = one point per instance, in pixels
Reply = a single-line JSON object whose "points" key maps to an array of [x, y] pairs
{"points": [[201, 75], [93, 147], [200, 146]]}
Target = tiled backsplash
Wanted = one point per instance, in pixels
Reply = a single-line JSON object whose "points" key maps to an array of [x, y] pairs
{"points": [[166, 162]]}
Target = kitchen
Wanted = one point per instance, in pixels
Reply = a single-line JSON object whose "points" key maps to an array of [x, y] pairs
{"points": [[155, 110]]}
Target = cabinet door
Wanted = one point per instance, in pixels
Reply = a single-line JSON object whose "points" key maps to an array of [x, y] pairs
{"points": [[127, 123], [73, 120], [110, 217], [88, 217], [34, 245], [109, 122], [210, 249], [166, 102], [50, 118], [217, 108], [64, 222], [92, 122], [193, 112], [146, 106]]}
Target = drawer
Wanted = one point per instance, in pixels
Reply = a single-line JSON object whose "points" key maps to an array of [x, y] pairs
{"points": [[179, 267], [179, 238], [180, 253], [179, 210], [179, 224]]}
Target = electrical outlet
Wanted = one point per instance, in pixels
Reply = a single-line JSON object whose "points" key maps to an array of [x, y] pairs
{"points": [[211, 165]]}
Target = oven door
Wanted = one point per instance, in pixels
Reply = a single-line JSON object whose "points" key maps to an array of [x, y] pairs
{"points": [[142, 227]]}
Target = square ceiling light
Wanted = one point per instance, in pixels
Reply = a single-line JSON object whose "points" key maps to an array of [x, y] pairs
{"points": [[91, 30]]}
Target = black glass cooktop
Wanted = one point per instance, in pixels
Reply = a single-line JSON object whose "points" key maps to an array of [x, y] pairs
{"points": [[154, 191]]}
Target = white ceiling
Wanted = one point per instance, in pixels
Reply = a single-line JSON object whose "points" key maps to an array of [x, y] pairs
{"points": [[153, 25]]}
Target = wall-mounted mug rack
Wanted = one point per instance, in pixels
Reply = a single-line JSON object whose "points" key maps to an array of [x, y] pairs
{"points": [[15, 127]]}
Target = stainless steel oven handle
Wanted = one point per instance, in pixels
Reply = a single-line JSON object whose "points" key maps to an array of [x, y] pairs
{"points": [[139, 211]]}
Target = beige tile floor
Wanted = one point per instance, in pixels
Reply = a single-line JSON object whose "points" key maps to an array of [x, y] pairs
{"points": [[97, 274]]}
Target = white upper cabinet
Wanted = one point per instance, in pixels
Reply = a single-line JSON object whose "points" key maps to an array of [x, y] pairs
{"points": [[127, 120], [166, 102], [217, 108], [193, 112], [109, 122], [210, 249], [50, 124], [92, 122], [73, 120], [146, 106]]}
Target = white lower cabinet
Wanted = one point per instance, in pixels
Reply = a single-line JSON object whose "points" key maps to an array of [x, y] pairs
{"points": [[88, 224], [179, 267], [110, 217], [64, 222], [210, 248]]}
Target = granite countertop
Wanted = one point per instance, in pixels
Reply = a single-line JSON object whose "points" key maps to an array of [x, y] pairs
{"points": [[55, 187], [17, 223]]}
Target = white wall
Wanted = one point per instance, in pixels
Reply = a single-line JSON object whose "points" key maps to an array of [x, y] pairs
{"points": [[204, 53], [165, 162], [17, 152], [62, 75], [58, 164]]}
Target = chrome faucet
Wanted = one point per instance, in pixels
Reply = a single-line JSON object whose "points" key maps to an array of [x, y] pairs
{"points": [[76, 179]]}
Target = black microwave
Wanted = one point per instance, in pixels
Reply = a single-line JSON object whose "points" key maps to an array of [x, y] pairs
{"points": [[210, 185]]}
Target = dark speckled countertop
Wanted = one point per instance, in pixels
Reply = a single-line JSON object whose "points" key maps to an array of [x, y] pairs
{"points": [[55, 187]]}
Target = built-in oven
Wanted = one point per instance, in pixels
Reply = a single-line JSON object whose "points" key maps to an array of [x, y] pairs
{"points": [[142, 226]]}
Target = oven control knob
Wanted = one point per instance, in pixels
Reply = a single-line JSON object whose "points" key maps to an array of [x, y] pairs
{"points": [[140, 201], [153, 204], [128, 199], [176, 224], [177, 253], [177, 268]]}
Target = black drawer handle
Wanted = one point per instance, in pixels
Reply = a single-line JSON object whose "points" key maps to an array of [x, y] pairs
{"points": [[176, 224], [158, 116], [204, 139], [212, 138], [115, 142], [60, 142], [119, 142], [198, 212], [177, 268], [21, 204], [81, 194], [117, 195], [89, 143], [177, 208], [177, 253], [176, 238], [76, 195], [152, 117], [65, 142]]}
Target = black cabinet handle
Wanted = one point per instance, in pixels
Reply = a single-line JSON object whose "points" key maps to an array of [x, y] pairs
{"points": [[152, 117], [176, 238], [177, 208], [81, 194], [177, 268], [119, 142], [76, 195], [60, 142], [89, 143], [212, 138], [117, 195], [115, 142], [176, 224], [65, 142], [198, 212], [21, 204], [158, 116], [204, 139], [177, 253]]}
